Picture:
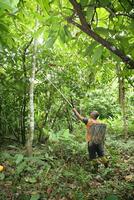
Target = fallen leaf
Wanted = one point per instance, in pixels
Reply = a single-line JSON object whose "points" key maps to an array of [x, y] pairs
{"points": [[8, 183], [95, 184], [126, 161], [128, 178], [72, 186], [49, 190]]}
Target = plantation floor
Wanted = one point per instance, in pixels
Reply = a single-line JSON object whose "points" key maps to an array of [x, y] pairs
{"points": [[61, 171]]}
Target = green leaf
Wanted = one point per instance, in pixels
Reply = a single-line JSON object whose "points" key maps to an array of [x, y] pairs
{"points": [[67, 32], [90, 48], [102, 31], [112, 197], [44, 4], [38, 33], [19, 158], [2, 71], [6, 155], [2, 176], [3, 27], [103, 14], [105, 2], [127, 5], [30, 179], [131, 26], [35, 197], [84, 2], [79, 195], [97, 54], [4, 5], [14, 3], [21, 167], [89, 13], [132, 53], [50, 42], [62, 35], [8, 5]]}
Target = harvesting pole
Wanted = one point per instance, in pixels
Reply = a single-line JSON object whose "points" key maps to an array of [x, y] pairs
{"points": [[60, 92]]}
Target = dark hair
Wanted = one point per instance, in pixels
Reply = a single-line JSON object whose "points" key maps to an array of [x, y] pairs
{"points": [[94, 114]]}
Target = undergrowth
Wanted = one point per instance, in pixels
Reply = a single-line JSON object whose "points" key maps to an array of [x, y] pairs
{"points": [[60, 170]]}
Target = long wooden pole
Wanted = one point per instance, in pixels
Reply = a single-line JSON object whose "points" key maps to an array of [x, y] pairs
{"points": [[60, 92]]}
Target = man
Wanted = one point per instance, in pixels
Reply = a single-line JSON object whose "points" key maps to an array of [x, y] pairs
{"points": [[96, 150]]}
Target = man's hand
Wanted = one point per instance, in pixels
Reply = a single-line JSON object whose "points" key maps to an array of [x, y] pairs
{"points": [[77, 114]]}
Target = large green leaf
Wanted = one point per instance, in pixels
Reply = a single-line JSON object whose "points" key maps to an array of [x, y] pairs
{"points": [[102, 31], [8, 4], [127, 5], [3, 27], [2, 176], [14, 3], [131, 26], [90, 48], [103, 16], [62, 35], [84, 2], [5, 4], [44, 4], [21, 167], [105, 2], [50, 42], [19, 158], [68, 33], [35, 197], [89, 13], [97, 54]]}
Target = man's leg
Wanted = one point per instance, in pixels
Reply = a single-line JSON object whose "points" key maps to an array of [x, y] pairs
{"points": [[92, 155], [101, 156]]}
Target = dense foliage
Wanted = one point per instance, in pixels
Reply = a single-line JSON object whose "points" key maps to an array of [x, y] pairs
{"points": [[85, 50]]}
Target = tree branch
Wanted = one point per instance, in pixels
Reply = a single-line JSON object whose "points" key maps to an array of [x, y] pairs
{"points": [[125, 15], [84, 26]]}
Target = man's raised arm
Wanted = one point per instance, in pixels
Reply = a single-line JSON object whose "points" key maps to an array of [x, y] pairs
{"points": [[78, 114]]}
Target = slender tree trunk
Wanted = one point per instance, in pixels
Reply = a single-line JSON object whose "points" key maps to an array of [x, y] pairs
{"points": [[122, 100], [23, 119], [124, 113], [24, 99], [31, 94]]}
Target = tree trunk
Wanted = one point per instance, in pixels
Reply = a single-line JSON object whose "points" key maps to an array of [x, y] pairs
{"points": [[24, 99], [31, 94], [122, 100]]}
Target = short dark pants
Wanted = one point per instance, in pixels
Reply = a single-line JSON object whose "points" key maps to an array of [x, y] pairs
{"points": [[95, 150]]}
